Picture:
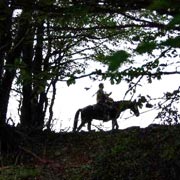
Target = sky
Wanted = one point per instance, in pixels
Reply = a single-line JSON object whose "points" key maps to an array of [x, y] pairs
{"points": [[70, 99]]}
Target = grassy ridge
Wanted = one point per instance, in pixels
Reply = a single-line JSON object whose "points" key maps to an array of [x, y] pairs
{"points": [[152, 153]]}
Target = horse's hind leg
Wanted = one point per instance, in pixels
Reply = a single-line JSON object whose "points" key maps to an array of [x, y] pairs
{"points": [[81, 125], [89, 125], [115, 124]]}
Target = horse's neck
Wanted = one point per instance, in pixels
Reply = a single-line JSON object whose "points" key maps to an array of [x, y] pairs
{"points": [[123, 105]]}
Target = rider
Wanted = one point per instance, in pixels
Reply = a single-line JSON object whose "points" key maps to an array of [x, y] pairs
{"points": [[104, 101], [102, 96]]}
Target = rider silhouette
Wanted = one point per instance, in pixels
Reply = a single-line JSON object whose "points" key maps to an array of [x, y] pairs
{"points": [[102, 96], [104, 100]]}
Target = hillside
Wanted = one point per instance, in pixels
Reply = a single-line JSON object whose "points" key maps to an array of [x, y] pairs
{"points": [[132, 154]]}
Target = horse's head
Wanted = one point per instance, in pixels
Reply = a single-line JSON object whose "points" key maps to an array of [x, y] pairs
{"points": [[126, 104], [134, 108]]}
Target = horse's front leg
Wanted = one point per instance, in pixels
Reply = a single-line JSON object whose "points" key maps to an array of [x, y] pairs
{"points": [[114, 124]]}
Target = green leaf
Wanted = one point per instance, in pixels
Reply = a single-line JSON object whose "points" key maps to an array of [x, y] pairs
{"points": [[71, 81], [174, 21], [116, 59], [172, 42], [146, 47]]}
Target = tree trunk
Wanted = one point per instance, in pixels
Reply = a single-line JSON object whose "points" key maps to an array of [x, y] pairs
{"points": [[34, 96], [26, 110], [10, 70], [5, 41]]}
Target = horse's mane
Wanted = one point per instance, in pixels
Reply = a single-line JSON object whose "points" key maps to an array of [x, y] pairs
{"points": [[123, 102]]}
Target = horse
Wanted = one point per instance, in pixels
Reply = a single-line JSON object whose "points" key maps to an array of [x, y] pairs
{"points": [[102, 112]]}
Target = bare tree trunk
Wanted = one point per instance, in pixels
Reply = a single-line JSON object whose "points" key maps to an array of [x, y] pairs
{"points": [[39, 95], [49, 123], [26, 72]]}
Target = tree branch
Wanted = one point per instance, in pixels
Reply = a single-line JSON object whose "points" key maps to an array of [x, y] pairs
{"points": [[96, 6]]}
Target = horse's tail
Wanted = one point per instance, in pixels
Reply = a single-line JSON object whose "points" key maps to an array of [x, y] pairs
{"points": [[76, 119]]}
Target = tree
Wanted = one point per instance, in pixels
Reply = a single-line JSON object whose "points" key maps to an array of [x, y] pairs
{"points": [[11, 49]]}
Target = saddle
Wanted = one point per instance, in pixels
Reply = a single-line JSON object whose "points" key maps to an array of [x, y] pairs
{"points": [[105, 110]]}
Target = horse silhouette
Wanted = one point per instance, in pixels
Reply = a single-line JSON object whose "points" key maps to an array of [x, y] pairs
{"points": [[105, 113]]}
